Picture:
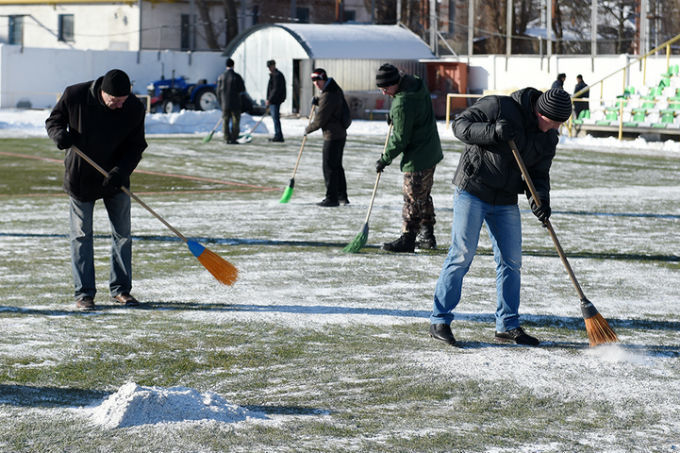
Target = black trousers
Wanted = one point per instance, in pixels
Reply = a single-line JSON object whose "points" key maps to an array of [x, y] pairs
{"points": [[333, 173]]}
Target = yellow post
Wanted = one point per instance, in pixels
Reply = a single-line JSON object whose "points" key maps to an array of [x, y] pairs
{"points": [[668, 57], [448, 110], [621, 120]]}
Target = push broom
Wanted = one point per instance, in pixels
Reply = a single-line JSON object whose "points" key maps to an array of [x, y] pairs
{"points": [[288, 191], [212, 132], [360, 239], [222, 270], [597, 327], [247, 137]]}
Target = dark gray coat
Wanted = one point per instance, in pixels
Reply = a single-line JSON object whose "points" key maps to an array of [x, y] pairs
{"points": [[487, 168], [229, 88], [328, 114], [276, 88], [112, 138]]}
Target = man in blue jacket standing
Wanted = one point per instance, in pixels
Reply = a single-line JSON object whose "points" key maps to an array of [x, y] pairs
{"points": [[103, 120], [487, 182], [276, 94]]}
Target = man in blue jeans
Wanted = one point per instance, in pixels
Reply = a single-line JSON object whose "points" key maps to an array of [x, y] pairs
{"points": [[487, 182], [276, 94], [105, 122]]}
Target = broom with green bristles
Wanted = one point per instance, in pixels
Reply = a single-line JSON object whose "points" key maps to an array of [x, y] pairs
{"points": [[212, 132], [288, 191], [360, 239], [222, 270], [597, 327]]}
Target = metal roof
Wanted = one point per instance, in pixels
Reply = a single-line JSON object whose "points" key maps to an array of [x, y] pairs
{"points": [[348, 41]]}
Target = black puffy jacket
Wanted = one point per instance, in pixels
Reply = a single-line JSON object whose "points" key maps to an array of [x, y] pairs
{"points": [[487, 168], [112, 138]]}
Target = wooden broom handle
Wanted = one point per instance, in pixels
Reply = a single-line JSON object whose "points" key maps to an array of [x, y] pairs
{"points": [[546, 223], [129, 193]]}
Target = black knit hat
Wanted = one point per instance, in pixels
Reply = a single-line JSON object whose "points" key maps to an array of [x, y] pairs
{"points": [[387, 75], [319, 74], [230, 63], [116, 83], [555, 104]]}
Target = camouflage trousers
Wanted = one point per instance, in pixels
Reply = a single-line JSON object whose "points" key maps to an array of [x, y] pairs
{"points": [[418, 208]]}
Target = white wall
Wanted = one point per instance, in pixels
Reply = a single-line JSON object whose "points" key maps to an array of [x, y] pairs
{"points": [[102, 26], [39, 75], [495, 72]]}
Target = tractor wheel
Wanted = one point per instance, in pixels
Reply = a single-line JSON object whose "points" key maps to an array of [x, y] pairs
{"points": [[170, 106], [206, 99]]}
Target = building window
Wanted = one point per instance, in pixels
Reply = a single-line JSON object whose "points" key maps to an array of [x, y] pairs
{"points": [[185, 40], [256, 14], [302, 15], [349, 15], [66, 28], [16, 30]]}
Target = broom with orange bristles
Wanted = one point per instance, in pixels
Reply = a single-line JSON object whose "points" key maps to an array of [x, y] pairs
{"points": [[222, 270], [597, 327]]}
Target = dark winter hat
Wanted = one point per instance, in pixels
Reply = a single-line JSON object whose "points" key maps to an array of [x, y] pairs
{"points": [[230, 63], [387, 75], [319, 74], [271, 63], [116, 83], [555, 104]]}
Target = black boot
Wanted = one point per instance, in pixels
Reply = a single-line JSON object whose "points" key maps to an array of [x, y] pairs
{"points": [[406, 243], [426, 238]]}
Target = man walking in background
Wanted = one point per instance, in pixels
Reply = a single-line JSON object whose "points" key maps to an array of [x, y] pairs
{"points": [[415, 137], [580, 105], [105, 122], [329, 116], [487, 182], [229, 88], [559, 82], [276, 94]]}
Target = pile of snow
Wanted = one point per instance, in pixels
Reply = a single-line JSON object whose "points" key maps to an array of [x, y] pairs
{"points": [[134, 405]]}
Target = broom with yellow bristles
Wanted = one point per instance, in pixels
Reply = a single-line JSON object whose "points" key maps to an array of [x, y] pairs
{"points": [[222, 270], [597, 327]]}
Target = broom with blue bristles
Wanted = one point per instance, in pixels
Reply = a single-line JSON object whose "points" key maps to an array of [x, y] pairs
{"points": [[225, 272], [360, 239]]}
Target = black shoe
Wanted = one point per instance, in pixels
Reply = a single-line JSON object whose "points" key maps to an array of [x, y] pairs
{"points": [[406, 243], [326, 203], [517, 336], [277, 139], [85, 303], [442, 332], [426, 239], [232, 142]]}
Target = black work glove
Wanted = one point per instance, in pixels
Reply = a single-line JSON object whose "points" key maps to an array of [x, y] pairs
{"points": [[389, 119], [541, 212], [315, 100], [64, 140], [115, 179], [504, 131], [380, 165]]}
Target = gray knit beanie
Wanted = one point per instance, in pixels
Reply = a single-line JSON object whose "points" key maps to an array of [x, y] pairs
{"points": [[387, 75], [555, 104]]}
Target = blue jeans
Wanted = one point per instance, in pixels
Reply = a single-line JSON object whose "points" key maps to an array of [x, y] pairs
{"points": [[504, 225], [274, 110], [82, 245]]}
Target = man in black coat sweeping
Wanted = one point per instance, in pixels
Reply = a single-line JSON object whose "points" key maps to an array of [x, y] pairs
{"points": [[487, 182], [103, 120], [328, 116], [229, 88]]}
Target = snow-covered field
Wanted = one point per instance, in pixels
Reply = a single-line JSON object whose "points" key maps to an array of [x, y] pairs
{"points": [[317, 350]]}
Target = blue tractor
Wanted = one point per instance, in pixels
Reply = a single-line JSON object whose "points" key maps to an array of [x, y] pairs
{"points": [[172, 95]]}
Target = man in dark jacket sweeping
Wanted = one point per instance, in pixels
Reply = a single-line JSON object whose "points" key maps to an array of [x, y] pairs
{"points": [[229, 88], [276, 94], [106, 123], [487, 182], [328, 116], [415, 137]]}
